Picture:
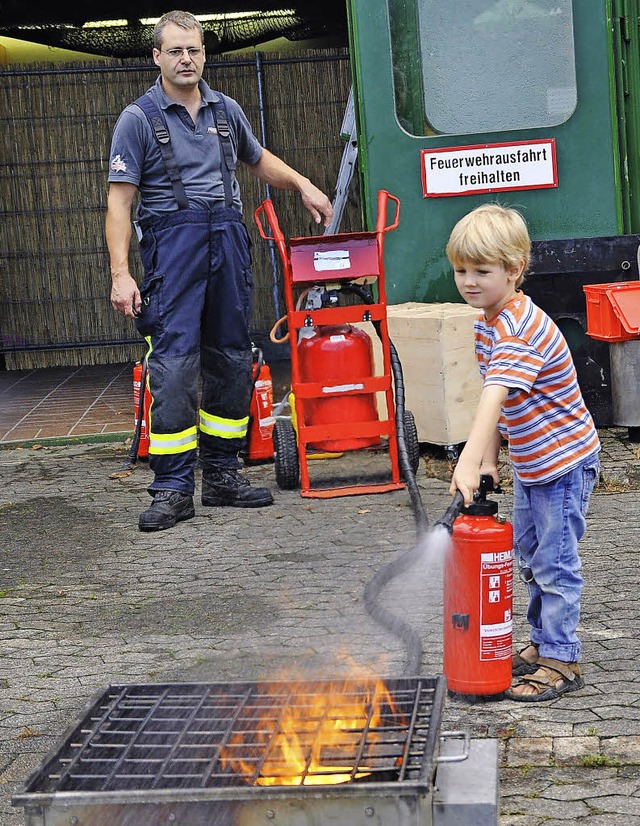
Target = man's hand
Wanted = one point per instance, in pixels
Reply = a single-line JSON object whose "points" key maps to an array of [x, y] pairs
{"points": [[125, 295], [275, 172], [317, 203]]}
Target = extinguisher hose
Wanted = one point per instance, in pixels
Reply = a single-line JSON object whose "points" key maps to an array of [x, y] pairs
{"points": [[451, 513], [132, 456], [396, 625], [420, 515], [392, 622], [257, 352]]}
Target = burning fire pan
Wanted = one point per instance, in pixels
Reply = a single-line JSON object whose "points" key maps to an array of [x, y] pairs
{"points": [[356, 752]]}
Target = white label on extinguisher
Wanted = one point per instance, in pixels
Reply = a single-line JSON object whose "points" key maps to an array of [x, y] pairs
{"points": [[331, 260], [342, 388], [264, 403], [496, 595], [499, 556]]}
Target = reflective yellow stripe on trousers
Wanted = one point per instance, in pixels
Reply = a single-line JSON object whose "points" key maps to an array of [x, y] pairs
{"points": [[163, 443], [223, 428]]}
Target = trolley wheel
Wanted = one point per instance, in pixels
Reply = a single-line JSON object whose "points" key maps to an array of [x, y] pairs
{"points": [[411, 440], [287, 464], [452, 453]]}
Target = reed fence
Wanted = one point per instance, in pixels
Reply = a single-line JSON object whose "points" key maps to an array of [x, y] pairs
{"points": [[55, 131]]}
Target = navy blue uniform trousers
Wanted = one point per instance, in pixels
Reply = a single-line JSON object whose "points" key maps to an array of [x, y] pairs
{"points": [[196, 305]]}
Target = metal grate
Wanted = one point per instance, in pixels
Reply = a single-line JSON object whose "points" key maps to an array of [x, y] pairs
{"points": [[195, 736]]}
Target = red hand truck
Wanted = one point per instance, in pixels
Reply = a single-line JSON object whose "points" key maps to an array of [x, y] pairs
{"points": [[334, 410]]}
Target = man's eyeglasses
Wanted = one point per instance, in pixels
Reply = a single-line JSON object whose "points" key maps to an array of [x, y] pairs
{"points": [[176, 54]]}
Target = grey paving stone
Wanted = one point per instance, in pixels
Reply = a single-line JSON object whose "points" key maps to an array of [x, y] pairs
{"points": [[87, 600]]}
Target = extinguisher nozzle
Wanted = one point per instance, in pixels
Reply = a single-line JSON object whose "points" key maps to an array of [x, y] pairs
{"points": [[452, 512]]}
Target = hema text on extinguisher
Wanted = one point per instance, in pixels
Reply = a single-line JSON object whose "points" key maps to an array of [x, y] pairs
{"points": [[498, 556]]}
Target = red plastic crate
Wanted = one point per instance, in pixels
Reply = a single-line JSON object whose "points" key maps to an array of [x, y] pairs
{"points": [[613, 310]]}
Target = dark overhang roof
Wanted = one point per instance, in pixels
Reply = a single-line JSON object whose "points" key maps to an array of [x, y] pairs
{"points": [[63, 24]]}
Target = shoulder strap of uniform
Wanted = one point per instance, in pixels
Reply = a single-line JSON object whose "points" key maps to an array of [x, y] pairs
{"points": [[228, 165], [161, 132]]}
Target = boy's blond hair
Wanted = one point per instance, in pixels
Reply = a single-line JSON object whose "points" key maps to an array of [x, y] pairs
{"points": [[491, 234]]}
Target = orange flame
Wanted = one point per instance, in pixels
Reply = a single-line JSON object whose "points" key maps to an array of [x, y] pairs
{"points": [[312, 738]]}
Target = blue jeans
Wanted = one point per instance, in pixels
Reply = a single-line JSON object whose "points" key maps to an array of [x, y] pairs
{"points": [[548, 522]]}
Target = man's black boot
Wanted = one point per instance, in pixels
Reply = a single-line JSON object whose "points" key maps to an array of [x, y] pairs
{"points": [[227, 486], [167, 508]]}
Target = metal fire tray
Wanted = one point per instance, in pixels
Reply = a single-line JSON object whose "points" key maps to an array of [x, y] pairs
{"points": [[169, 753]]}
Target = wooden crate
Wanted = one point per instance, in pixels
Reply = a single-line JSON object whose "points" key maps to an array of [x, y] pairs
{"points": [[441, 377]]}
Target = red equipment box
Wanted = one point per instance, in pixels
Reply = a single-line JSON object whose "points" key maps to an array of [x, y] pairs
{"points": [[352, 256]]}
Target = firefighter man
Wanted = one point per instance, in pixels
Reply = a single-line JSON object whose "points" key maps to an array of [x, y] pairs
{"points": [[193, 306]]}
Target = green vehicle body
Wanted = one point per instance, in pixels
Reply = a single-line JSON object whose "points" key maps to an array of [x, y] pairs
{"points": [[597, 150]]}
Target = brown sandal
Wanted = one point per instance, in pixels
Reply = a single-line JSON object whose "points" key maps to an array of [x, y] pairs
{"points": [[551, 679], [520, 666]]}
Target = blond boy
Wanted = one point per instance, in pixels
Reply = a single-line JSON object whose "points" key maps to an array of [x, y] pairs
{"points": [[530, 396]]}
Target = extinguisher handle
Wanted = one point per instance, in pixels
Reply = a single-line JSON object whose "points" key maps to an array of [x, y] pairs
{"points": [[452, 512], [381, 225], [267, 208], [487, 485], [277, 236]]}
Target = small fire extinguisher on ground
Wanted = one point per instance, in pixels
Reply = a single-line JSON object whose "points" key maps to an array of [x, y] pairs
{"points": [[478, 595], [261, 419], [141, 409]]}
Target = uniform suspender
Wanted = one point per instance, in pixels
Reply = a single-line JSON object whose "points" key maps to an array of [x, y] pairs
{"points": [[159, 127], [228, 165], [161, 132]]}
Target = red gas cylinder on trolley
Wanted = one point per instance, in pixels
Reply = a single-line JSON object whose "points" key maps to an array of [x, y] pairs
{"points": [[337, 356], [139, 375], [478, 594], [260, 441]]}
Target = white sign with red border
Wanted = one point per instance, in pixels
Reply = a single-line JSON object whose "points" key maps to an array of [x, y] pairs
{"points": [[489, 167]]}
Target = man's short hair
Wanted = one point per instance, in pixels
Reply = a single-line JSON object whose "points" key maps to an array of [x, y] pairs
{"points": [[491, 234], [184, 19]]}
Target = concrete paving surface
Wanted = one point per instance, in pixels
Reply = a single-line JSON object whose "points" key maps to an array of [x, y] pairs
{"points": [[87, 600]]}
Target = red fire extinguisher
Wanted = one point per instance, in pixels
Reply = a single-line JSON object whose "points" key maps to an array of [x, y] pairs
{"points": [[260, 436], [141, 411], [333, 355], [478, 594]]}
